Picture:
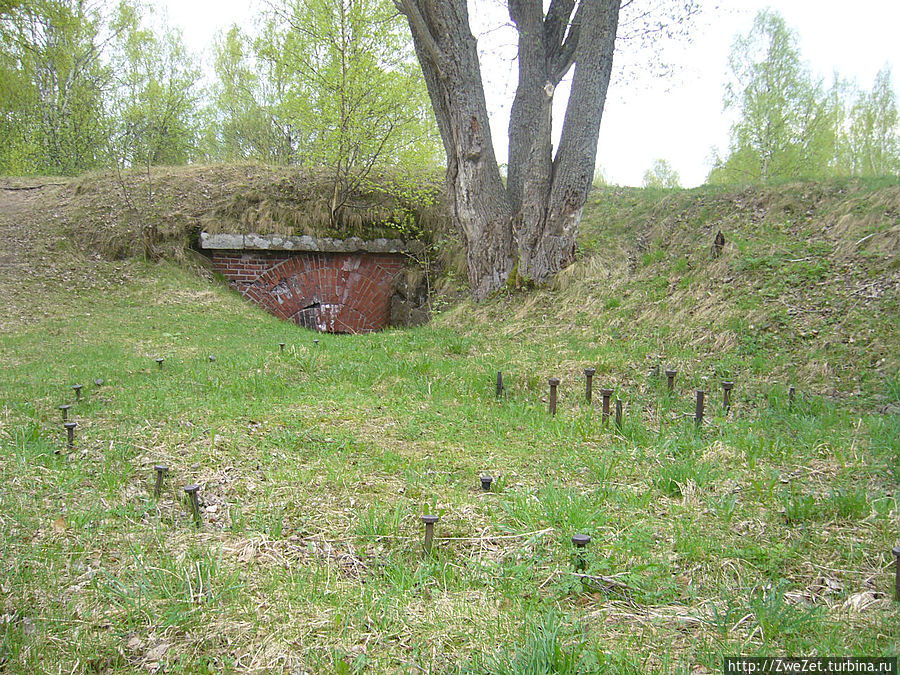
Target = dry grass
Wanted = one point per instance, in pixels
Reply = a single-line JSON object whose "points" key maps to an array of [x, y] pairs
{"points": [[108, 211], [768, 531]]}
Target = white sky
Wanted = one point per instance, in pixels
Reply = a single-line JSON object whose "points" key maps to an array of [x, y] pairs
{"points": [[678, 118]]}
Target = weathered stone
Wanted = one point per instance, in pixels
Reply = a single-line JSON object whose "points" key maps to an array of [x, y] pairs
{"points": [[399, 311], [418, 317], [222, 241], [277, 242], [410, 285], [404, 313], [258, 242], [306, 243], [330, 245], [355, 244], [386, 246]]}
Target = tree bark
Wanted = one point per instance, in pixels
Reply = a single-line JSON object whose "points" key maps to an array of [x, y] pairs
{"points": [[448, 54], [548, 219], [531, 224]]}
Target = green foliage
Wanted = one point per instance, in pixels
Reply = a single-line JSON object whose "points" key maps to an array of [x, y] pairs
{"points": [[785, 129], [790, 126], [661, 175], [776, 617], [838, 505], [152, 103], [544, 649], [8, 6], [329, 83], [80, 91], [873, 141], [51, 88], [244, 120], [674, 475]]}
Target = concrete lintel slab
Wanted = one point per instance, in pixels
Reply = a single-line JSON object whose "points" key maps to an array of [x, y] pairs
{"points": [[277, 242]]}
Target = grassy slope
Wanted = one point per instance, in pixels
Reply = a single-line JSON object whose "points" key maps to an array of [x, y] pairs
{"points": [[768, 532], [807, 289]]}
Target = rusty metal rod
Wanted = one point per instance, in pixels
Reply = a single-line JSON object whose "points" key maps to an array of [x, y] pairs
{"points": [[589, 377], [191, 491], [698, 412], [429, 521], [70, 434], [727, 387], [606, 394], [554, 383], [160, 473]]}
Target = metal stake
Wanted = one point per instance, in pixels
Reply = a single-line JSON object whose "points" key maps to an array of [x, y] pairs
{"points": [[791, 397], [670, 376], [159, 362], [499, 384], [77, 389], [589, 376], [486, 483], [160, 473], [580, 541], [554, 383], [618, 412], [70, 434], [727, 387], [698, 413], [65, 411], [606, 394], [281, 346], [429, 521], [191, 491]]}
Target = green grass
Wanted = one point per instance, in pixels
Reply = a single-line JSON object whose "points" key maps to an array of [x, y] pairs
{"points": [[756, 534], [315, 463]]}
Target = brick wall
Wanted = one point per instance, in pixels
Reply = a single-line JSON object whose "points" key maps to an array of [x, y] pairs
{"points": [[329, 292]]}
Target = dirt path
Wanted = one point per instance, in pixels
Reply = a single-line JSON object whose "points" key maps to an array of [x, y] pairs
{"points": [[30, 243], [41, 267], [16, 210], [26, 235]]}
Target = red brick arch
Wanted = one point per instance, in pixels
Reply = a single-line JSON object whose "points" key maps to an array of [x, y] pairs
{"points": [[329, 292]]}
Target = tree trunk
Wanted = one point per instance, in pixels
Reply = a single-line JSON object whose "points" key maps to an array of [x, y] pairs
{"points": [[531, 224], [551, 207], [530, 129], [448, 54]]}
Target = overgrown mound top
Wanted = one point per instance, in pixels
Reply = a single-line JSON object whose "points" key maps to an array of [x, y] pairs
{"points": [[114, 212]]}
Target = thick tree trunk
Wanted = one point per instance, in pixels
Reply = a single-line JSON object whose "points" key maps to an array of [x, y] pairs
{"points": [[530, 129], [533, 221], [448, 54], [548, 218]]}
